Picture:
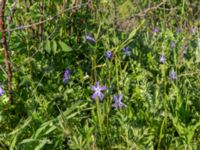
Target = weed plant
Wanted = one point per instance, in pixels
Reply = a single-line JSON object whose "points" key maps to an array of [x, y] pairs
{"points": [[104, 75]]}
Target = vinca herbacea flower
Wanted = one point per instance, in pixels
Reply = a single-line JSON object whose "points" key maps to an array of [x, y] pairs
{"points": [[179, 29], [162, 59], [155, 30], [109, 54], [89, 38], [173, 75], [98, 91], [127, 51], [66, 76], [1, 91], [118, 101]]}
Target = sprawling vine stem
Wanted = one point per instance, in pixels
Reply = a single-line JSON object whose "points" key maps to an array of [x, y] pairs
{"points": [[5, 47]]}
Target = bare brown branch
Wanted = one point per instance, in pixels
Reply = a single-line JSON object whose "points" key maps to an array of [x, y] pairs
{"points": [[47, 20], [5, 46], [146, 11]]}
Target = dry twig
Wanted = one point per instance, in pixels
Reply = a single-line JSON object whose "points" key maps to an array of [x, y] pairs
{"points": [[47, 20], [5, 47]]}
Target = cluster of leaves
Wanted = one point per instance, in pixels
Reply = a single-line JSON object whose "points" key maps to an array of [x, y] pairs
{"points": [[162, 110]]}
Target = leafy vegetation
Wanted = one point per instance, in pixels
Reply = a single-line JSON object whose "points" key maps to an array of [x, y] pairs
{"points": [[107, 74]]}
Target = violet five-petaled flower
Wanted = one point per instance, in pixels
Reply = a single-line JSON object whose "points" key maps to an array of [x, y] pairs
{"points": [[179, 29], [1, 91], [156, 30], [66, 75], [109, 54], [98, 91], [162, 59], [127, 51], [173, 75], [89, 38], [118, 101]]}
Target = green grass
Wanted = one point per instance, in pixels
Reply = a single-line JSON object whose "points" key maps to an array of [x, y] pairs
{"points": [[160, 113]]}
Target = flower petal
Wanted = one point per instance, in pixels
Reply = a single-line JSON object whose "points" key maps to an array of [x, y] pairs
{"points": [[97, 84], [94, 95], [115, 98], [101, 95], [103, 88], [93, 88], [120, 97], [115, 105], [1, 91]]}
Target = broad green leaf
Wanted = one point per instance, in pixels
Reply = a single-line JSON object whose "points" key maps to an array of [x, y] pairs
{"points": [[65, 47], [48, 46], [54, 46]]}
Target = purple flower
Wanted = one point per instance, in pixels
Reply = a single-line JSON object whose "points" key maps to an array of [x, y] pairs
{"points": [[173, 75], [155, 30], [1, 91], [118, 101], [126, 51], [98, 91], [173, 44], [66, 76], [109, 54], [89, 38], [162, 59], [179, 29]]}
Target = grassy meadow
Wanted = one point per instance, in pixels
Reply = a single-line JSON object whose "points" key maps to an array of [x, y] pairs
{"points": [[100, 75]]}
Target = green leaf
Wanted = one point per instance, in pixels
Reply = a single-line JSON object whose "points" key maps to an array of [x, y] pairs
{"points": [[132, 34], [42, 144], [65, 47], [48, 46], [54, 46]]}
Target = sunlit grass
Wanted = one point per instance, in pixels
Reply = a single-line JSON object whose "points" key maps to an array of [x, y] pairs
{"points": [[145, 58]]}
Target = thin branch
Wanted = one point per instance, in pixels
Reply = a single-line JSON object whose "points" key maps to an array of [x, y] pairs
{"points": [[47, 20], [5, 46], [128, 22], [145, 12]]}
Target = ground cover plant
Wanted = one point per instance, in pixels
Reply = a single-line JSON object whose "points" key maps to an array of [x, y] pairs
{"points": [[100, 74]]}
